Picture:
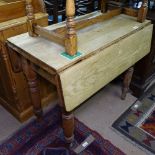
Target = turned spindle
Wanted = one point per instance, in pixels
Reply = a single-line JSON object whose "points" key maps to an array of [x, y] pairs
{"points": [[142, 12], [33, 84], [31, 18], [71, 37], [104, 6]]}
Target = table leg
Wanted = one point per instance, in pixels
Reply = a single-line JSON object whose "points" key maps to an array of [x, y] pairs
{"points": [[68, 126], [67, 117], [126, 82], [33, 84]]}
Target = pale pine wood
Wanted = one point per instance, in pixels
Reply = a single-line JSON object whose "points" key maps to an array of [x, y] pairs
{"points": [[82, 80], [71, 37], [30, 18], [50, 35], [70, 8], [90, 39], [90, 19]]}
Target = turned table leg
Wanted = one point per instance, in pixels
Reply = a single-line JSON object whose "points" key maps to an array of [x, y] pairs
{"points": [[126, 82], [33, 84], [67, 117], [68, 126]]}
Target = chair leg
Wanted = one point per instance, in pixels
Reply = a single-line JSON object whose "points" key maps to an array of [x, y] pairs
{"points": [[126, 82]]}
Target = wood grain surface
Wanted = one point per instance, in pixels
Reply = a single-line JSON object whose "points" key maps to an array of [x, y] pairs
{"points": [[82, 80], [46, 54], [12, 9], [108, 49]]}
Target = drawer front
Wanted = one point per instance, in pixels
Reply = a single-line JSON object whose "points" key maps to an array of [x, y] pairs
{"points": [[82, 80]]}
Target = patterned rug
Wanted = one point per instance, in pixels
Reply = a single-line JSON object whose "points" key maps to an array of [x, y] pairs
{"points": [[138, 122], [149, 124], [35, 137]]}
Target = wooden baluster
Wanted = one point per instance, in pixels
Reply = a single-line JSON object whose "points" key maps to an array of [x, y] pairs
{"points": [[71, 37], [104, 6], [142, 12], [31, 18], [126, 82], [33, 84]]}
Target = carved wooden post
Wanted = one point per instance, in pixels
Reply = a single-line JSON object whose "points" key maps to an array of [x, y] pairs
{"points": [[31, 18], [33, 87], [104, 6], [126, 82], [71, 37], [142, 12]]}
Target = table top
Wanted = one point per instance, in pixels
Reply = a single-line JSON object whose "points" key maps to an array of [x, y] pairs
{"points": [[91, 40]]}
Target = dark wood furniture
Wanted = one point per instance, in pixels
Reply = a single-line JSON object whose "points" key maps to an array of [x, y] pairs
{"points": [[86, 6], [79, 74], [144, 74], [14, 94], [55, 10]]}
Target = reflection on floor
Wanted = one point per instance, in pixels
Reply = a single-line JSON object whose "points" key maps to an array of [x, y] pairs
{"points": [[99, 112]]}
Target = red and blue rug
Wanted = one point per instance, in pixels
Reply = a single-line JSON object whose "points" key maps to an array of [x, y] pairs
{"points": [[35, 137], [149, 124], [138, 122]]}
